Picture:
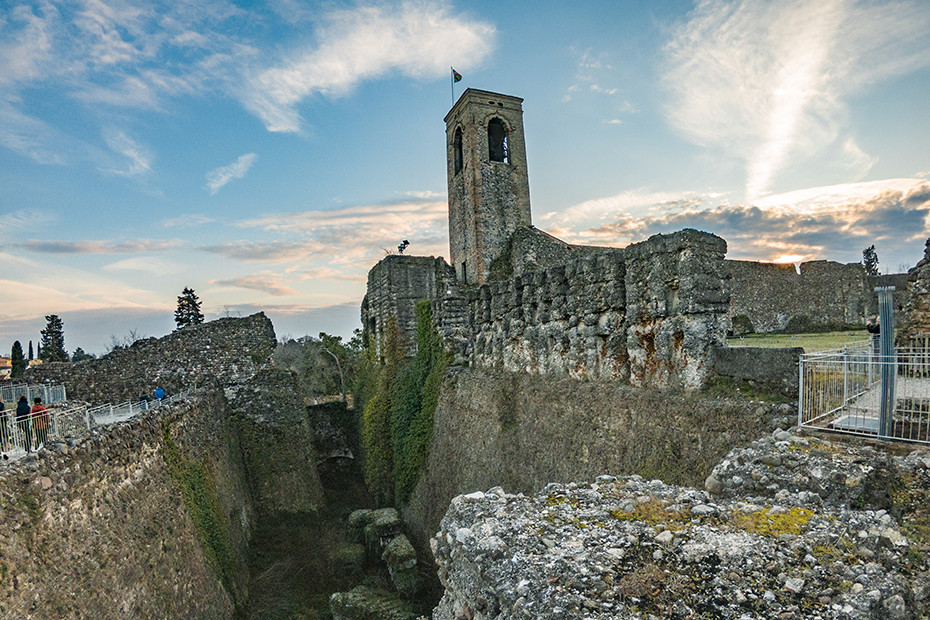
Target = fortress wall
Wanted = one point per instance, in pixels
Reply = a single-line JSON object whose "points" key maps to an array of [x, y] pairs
{"points": [[568, 319], [395, 285], [824, 292], [648, 314], [226, 350], [522, 431], [153, 517], [100, 531]]}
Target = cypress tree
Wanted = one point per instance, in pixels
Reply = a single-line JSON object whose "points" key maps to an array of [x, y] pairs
{"points": [[19, 362]]}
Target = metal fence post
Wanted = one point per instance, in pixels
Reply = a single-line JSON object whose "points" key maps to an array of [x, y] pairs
{"points": [[800, 391], [886, 344]]}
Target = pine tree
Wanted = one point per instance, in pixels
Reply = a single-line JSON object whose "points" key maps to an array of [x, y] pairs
{"points": [[870, 260], [79, 355], [188, 312], [53, 340], [19, 362]]}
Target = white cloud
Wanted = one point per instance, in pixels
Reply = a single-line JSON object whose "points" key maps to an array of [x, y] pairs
{"points": [[139, 156], [187, 220], [266, 281], [218, 177], [767, 81], [147, 264], [415, 39]]}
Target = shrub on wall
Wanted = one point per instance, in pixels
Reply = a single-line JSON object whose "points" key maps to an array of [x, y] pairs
{"points": [[397, 422], [742, 325]]}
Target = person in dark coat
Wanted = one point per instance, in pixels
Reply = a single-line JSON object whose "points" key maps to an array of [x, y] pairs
{"points": [[23, 415]]}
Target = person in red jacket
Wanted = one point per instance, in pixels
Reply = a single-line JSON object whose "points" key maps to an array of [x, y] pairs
{"points": [[40, 420]]}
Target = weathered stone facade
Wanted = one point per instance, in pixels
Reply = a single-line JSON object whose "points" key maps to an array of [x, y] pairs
{"points": [[489, 191], [154, 517], [227, 350], [818, 293], [917, 309], [648, 314]]}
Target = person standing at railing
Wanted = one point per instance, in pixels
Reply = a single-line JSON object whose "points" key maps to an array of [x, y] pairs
{"points": [[40, 420], [159, 392], [23, 415]]}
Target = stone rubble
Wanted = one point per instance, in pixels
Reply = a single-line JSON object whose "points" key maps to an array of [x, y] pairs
{"points": [[796, 527]]}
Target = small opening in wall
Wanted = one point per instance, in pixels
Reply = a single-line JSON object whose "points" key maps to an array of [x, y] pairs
{"points": [[497, 141], [464, 274], [457, 151]]}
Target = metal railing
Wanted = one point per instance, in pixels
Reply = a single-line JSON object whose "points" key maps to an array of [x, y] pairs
{"points": [[857, 390], [18, 438], [49, 393]]}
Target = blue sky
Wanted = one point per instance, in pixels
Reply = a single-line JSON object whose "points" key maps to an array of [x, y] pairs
{"points": [[267, 154]]}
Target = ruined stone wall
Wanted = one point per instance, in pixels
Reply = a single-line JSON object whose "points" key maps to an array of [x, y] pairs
{"points": [[100, 530], [226, 350], [153, 517], [917, 308], [649, 314], [395, 285], [823, 293], [522, 431]]}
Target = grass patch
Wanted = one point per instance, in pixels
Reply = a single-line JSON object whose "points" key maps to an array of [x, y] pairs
{"points": [[811, 343], [768, 524]]}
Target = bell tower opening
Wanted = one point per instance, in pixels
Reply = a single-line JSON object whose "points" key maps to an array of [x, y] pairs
{"points": [[497, 141]]}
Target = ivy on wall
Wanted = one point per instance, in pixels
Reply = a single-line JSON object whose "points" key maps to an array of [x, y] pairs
{"points": [[397, 422]]}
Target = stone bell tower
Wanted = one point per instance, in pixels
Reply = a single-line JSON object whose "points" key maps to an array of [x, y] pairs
{"points": [[489, 190]]}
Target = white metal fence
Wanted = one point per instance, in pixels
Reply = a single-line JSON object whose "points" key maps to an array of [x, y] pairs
{"points": [[17, 438], [49, 393], [856, 390]]}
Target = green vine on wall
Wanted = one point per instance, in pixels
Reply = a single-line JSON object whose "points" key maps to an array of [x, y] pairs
{"points": [[202, 504], [397, 423]]}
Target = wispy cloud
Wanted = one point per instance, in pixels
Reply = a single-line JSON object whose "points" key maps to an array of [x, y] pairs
{"points": [[95, 247], [327, 273], [188, 220], [767, 81], [153, 265], [416, 39], [265, 281], [139, 156], [218, 177]]}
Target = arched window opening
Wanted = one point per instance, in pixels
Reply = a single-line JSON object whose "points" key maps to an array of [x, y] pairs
{"points": [[457, 151], [497, 141]]}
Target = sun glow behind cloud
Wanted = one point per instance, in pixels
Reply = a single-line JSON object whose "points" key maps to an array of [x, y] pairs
{"points": [[767, 82]]}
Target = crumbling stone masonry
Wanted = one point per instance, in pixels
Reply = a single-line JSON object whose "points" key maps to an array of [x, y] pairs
{"points": [[519, 299]]}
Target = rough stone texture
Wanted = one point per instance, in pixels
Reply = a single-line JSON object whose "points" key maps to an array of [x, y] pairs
{"points": [[367, 603], [650, 313], [824, 293], [98, 530], [523, 431], [277, 443], [632, 548], [397, 283], [675, 308], [226, 350], [488, 200], [765, 366], [105, 528], [917, 308]]}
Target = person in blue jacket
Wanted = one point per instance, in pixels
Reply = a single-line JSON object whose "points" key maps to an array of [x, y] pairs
{"points": [[23, 419], [159, 393]]}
